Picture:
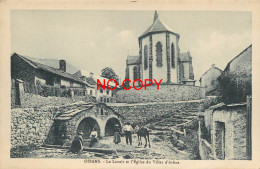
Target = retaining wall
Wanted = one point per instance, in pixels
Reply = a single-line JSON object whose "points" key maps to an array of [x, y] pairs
{"points": [[135, 113], [166, 93], [32, 126]]}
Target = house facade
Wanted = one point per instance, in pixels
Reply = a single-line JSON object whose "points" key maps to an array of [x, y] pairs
{"points": [[209, 80], [159, 57], [33, 72], [236, 80], [102, 95]]}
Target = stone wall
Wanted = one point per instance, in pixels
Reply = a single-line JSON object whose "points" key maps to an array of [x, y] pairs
{"points": [[39, 126], [166, 93], [143, 112], [32, 100], [32, 126], [233, 119]]}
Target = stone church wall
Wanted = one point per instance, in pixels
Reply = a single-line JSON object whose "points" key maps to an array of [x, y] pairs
{"points": [[166, 93]]}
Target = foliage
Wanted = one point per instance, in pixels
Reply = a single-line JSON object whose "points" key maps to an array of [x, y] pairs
{"points": [[22, 151], [210, 101], [47, 90], [109, 73], [235, 87]]}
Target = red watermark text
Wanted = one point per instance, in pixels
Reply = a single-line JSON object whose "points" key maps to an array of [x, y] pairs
{"points": [[137, 84]]}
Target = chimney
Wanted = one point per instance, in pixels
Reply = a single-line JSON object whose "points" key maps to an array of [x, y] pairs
{"points": [[91, 74], [83, 78], [63, 65], [213, 66]]}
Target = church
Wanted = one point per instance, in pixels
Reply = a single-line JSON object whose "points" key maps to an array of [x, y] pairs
{"points": [[159, 57]]}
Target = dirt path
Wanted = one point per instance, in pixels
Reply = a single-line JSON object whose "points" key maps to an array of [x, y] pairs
{"points": [[160, 149]]}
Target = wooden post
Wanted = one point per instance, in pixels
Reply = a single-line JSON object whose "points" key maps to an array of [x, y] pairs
{"points": [[249, 127]]}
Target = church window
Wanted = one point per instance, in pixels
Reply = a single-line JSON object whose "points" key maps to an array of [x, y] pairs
{"points": [[145, 57], [159, 54], [173, 55], [135, 70]]}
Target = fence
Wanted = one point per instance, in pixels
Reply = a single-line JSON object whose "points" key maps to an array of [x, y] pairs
{"points": [[47, 90], [24, 94]]}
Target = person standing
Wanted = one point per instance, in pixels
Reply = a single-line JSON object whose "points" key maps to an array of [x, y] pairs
{"points": [[93, 137], [128, 133], [117, 137]]}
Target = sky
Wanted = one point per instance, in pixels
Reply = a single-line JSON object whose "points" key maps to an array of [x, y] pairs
{"points": [[92, 39]]}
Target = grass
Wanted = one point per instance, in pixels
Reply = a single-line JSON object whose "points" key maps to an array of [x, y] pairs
{"points": [[22, 151]]}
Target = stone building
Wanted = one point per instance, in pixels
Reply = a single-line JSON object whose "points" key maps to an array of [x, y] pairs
{"points": [[159, 57], [236, 80], [85, 118], [241, 65], [100, 94], [209, 80], [230, 130], [30, 71]]}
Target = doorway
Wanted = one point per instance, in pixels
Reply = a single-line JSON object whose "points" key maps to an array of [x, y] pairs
{"points": [[220, 140]]}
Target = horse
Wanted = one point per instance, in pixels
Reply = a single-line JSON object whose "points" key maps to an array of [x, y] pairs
{"points": [[142, 132]]}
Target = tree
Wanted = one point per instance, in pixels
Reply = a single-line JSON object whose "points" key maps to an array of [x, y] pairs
{"points": [[109, 73], [235, 87]]}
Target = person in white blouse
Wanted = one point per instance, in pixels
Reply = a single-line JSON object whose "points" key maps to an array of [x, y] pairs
{"points": [[93, 137]]}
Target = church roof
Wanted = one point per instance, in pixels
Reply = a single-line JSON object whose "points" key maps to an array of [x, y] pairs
{"points": [[184, 57], [157, 26], [132, 60]]}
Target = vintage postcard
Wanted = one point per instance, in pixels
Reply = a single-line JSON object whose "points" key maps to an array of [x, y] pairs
{"points": [[126, 85]]}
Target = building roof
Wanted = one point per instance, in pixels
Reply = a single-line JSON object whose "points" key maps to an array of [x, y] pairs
{"points": [[59, 72], [228, 65], [216, 68], [92, 79], [78, 108], [157, 26], [184, 57], [132, 60]]}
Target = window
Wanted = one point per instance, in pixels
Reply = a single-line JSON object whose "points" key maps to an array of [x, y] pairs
{"points": [[107, 92], [101, 91], [158, 54], [135, 70], [91, 92], [145, 57], [107, 100], [102, 111], [101, 99], [173, 55]]}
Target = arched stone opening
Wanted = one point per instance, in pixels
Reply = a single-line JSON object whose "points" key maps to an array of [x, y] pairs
{"points": [[86, 125], [110, 126]]}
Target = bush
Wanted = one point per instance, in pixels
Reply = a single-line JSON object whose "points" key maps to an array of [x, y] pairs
{"points": [[234, 88], [22, 151], [210, 101]]}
